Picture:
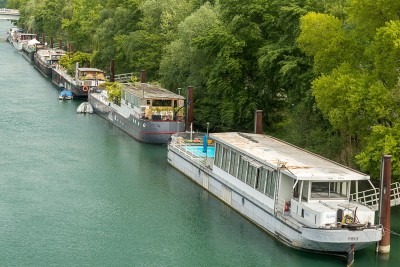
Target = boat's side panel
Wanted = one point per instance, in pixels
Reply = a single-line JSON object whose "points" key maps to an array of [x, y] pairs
{"points": [[245, 205], [259, 212], [29, 55], [142, 130], [43, 68], [58, 78]]}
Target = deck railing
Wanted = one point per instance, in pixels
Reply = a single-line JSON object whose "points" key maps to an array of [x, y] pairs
{"points": [[123, 78], [183, 140], [371, 197]]}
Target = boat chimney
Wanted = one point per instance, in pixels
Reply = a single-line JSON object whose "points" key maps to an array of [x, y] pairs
{"points": [[51, 42], [142, 76], [384, 205], [37, 36], [258, 122], [190, 107], [112, 71], [43, 38]]}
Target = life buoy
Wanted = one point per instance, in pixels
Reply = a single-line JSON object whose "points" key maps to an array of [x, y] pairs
{"points": [[85, 88]]}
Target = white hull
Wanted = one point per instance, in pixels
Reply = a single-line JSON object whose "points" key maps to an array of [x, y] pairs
{"points": [[259, 209]]}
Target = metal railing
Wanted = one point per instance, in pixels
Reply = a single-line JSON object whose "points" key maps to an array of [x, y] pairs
{"points": [[184, 140], [123, 78], [371, 197]]}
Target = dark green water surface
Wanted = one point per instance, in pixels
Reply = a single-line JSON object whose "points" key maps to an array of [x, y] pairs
{"points": [[75, 191]]}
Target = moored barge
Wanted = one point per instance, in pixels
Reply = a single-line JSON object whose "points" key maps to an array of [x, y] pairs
{"points": [[47, 59], [85, 79], [148, 113], [298, 197]]}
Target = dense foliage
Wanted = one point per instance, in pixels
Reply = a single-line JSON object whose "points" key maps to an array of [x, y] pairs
{"points": [[70, 60], [326, 73], [3, 3]]}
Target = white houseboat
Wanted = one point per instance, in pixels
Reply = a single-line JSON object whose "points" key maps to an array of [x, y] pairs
{"points": [[298, 197]]}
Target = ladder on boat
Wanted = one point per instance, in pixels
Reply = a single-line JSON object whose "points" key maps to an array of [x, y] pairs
{"points": [[371, 197]]}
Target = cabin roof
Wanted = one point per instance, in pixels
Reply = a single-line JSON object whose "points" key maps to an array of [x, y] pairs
{"points": [[298, 163], [90, 69], [150, 91]]}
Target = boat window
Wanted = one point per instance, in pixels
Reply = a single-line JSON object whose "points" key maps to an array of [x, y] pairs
{"points": [[328, 190], [162, 103], [225, 159], [243, 165], [234, 163], [262, 180], [304, 193], [217, 155], [251, 176], [270, 190], [296, 190]]}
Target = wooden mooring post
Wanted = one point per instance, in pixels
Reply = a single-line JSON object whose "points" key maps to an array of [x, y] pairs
{"points": [[350, 256], [384, 204]]}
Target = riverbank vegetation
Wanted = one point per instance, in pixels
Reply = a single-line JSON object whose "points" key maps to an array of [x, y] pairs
{"points": [[325, 73]]}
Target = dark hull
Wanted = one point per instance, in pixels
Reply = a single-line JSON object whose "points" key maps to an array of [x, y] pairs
{"points": [[58, 79], [29, 55], [42, 67], [156, 132]]}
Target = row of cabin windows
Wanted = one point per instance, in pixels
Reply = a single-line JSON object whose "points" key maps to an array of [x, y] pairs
{"points": [[244, 169]]}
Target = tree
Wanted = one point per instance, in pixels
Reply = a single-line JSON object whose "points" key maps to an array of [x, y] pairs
{"points": [[3, 3], [358, 90]]}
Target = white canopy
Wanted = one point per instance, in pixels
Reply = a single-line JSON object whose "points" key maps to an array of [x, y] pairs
{"points": [[33, 42]]}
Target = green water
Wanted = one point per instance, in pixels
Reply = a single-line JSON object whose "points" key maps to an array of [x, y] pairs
{"points": [[75, 191]]}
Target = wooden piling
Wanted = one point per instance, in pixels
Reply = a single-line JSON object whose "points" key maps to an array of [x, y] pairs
{"points": [[258, 122], [384, 219], [142, 76], [350, 256]]}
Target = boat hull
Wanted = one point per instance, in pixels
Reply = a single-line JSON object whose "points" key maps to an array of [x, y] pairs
{"points": [[258, 208], [156, 132], [29, 55], [45, 69], [61, 79]]}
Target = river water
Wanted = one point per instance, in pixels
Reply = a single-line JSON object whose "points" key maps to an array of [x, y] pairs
{"points": [[76, 191]]}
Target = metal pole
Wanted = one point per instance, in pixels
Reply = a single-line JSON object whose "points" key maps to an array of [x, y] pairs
{"points": [[191, 131]]}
